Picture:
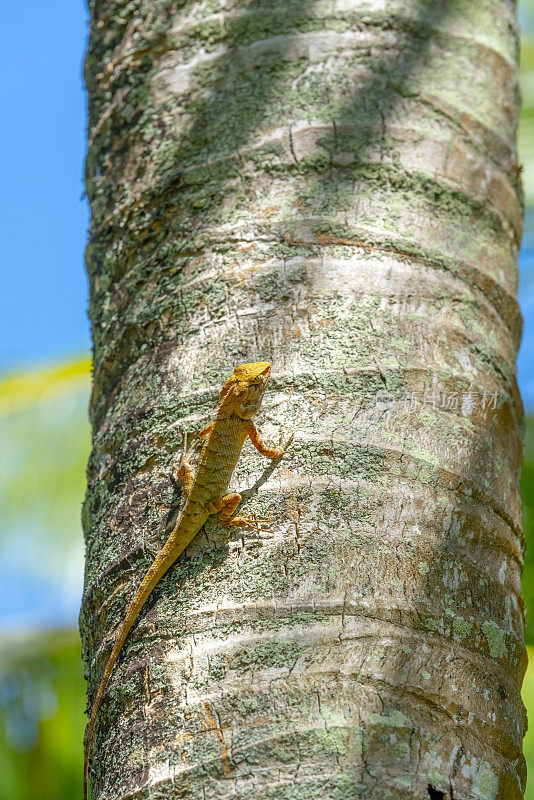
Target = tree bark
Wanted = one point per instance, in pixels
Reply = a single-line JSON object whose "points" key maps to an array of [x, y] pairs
{"points": [[331, 186]]}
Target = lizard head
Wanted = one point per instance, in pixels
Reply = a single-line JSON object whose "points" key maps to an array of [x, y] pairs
{"points": [[243, 392]]}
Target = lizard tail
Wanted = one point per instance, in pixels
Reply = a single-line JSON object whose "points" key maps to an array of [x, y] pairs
{"points": [[163, 561]]}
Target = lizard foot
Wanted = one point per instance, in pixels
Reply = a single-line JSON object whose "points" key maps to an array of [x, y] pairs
{"points": [[284, 447], [249, 523]]}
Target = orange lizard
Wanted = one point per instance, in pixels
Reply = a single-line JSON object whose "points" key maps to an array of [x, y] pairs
{"points": [[240, 399]]}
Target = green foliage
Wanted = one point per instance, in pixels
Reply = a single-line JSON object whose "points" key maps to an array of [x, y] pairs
{"points": [[45, 444], [526, 123], [45, 437], [528, 743], [42, 697]]}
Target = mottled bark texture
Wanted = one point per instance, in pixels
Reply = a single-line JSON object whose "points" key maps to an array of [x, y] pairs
{"points": [[331, 186]]}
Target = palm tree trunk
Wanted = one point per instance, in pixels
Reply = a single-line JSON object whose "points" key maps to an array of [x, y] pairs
{"points": [[331, 186]]}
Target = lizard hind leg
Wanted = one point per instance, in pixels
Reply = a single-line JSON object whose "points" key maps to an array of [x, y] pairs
{"points": [[225, 509]]}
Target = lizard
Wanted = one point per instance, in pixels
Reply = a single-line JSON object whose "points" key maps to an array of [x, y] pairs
{"points": [[205, 494]]}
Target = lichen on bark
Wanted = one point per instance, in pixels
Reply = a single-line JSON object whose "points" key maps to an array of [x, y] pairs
{"points": [[332, 186]]}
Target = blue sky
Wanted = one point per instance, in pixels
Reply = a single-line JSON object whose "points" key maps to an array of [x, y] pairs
{"points": [[43, 290]]}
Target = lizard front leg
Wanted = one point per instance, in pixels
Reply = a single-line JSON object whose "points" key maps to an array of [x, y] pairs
{"points": [[262, 448], [185, 473], [205, 432]]}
